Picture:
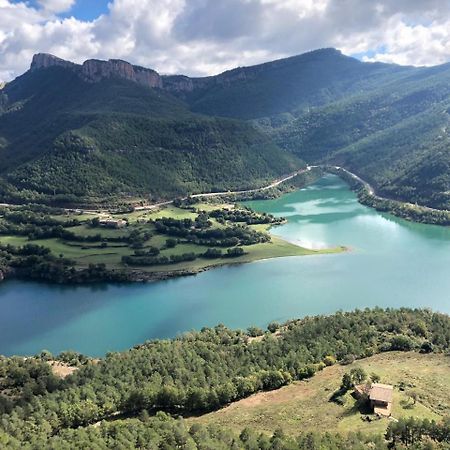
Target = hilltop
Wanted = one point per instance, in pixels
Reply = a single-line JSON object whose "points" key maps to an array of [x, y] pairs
{"points": [[139, 397]]}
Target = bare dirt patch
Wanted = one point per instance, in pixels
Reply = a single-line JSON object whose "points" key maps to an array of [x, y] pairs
{"points": [[62, 370]]}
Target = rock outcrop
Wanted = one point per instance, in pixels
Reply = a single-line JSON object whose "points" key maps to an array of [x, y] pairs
{"points": [[44, 60], [95, 70]]}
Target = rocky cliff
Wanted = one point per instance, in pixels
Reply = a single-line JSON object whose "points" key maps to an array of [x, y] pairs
{"points": [[94, 70], [44, 60]]}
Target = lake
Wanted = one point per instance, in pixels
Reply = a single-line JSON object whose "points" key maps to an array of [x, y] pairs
{"points": [[391, 263]]}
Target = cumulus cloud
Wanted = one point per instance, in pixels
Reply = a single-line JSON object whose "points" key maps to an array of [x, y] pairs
{"points": [[56, 6], [201, 37]]}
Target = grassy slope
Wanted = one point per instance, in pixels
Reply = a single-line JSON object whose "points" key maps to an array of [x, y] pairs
{"points": [[304, 405]]}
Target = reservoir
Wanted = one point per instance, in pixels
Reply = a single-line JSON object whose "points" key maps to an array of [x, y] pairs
{"points": [[390, 263]]}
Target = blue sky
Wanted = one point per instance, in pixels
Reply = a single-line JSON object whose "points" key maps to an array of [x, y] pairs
{"points": [[203, 37], [88, 9], [85, 10]]}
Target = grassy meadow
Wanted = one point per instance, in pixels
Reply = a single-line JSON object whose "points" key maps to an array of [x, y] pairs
{"points": [[305, 406]]}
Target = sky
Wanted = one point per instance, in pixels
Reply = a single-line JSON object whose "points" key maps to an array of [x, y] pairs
{"points": [[204, 37]]}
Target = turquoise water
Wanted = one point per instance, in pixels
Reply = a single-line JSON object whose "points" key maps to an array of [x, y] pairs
{"points": [[391, 263]]}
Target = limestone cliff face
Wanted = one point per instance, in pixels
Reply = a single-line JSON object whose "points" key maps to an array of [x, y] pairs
{"points": [[94, 70], [184, 84], [178, 83], [44, 60]]}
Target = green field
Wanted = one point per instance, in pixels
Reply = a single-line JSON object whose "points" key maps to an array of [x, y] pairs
{"points": [[104, 249], [305, 405]]}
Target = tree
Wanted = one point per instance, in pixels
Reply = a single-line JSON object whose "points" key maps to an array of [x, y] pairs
{"points": [[329, 360], [254, 331], [401, 342], [273, 326], [358, 375], [347, 382], [235, 251], [413, 395], [171, 243], [375, 378]]}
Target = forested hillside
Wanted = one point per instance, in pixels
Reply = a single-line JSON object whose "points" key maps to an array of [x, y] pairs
{"points": [[107, 129], [387, 123], [67, 140], [396, 137], [193, 374], [286, 87]]}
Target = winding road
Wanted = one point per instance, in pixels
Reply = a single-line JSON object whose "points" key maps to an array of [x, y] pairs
{"points": [[275, 183], [225, 193]]}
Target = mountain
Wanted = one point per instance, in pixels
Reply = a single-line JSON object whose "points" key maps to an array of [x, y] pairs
{"points": [[102, 129], [284, 87], [396, 136], [107, 129]]}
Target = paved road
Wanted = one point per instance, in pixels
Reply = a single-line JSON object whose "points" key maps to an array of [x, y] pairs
{"points": [[371, 191], [205, 194], [275, 183], [225, 193]]}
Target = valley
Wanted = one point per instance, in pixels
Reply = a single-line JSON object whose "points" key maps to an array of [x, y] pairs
{"points": [[316, 186], [121, 133], [323, 215]]}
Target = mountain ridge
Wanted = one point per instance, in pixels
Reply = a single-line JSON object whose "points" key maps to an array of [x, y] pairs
{"points": [[386, 122]]}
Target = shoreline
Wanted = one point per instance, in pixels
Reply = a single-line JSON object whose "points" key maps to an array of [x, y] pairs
{"points": [[141, 276], [404, 210]]}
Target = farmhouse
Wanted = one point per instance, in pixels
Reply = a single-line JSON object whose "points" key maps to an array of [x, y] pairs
{"points": [[379, 396], [112, 223]]}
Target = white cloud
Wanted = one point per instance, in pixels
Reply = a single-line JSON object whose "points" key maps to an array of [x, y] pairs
{"points": [[200, 37], [56, 6]]}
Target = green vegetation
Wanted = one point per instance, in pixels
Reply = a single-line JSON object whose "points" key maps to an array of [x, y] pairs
{"points": [[201, 372], [305, 404], [407, 211], [114, 140], [119, 142], [396, 137], [276, 92], [39, 242]]}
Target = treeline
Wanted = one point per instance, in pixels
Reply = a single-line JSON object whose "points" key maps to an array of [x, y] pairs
{"points": [[412, 432], [165, 432], [405, 210], [153, 260], [202, 371], [244, 215], [35, 262], [221, 237]]}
